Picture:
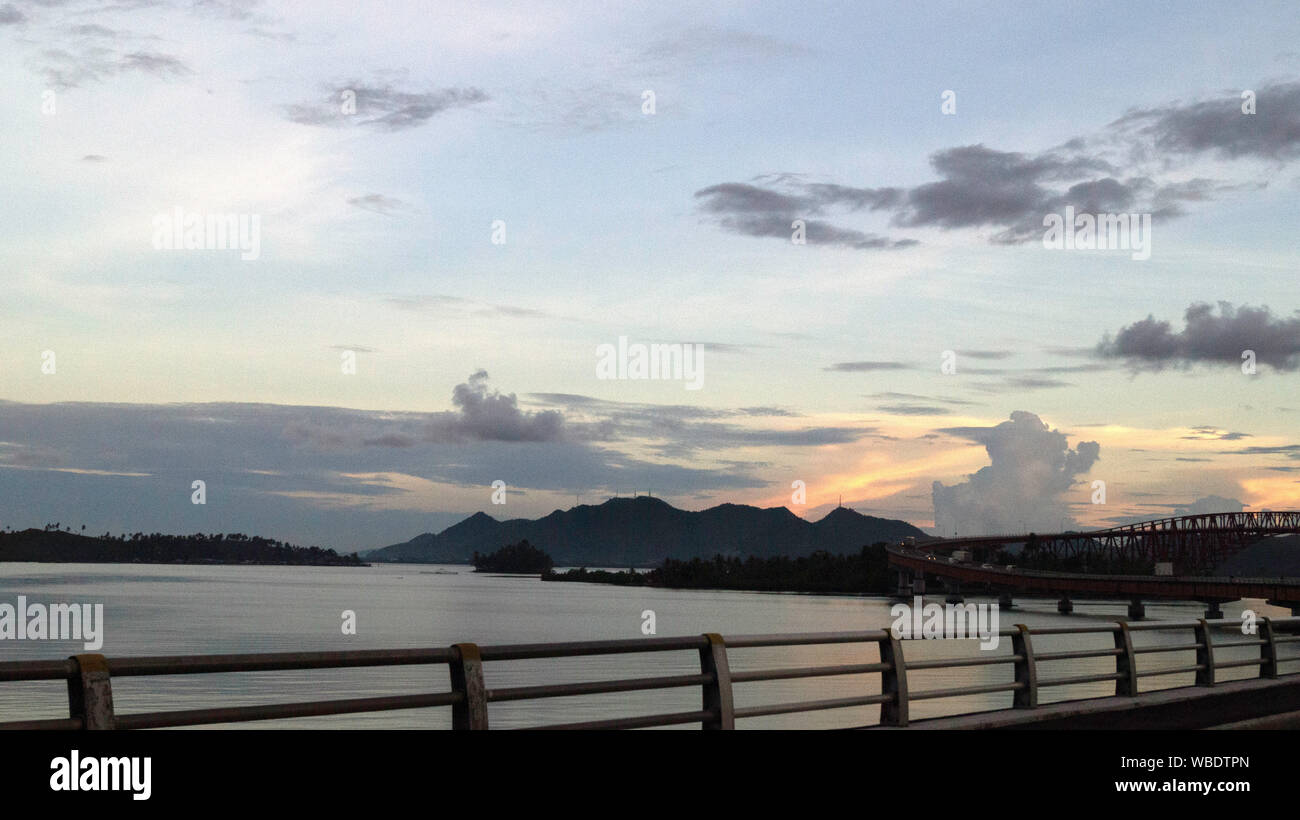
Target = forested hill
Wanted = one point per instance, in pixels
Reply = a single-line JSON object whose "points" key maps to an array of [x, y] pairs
{"points": [[644, 531], [53, 545]]}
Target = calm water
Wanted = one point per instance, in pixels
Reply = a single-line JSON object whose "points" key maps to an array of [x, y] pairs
{"points": [[158, 610]]}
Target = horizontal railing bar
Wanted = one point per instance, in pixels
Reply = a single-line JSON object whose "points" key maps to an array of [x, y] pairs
{"points": [[645, 722], [1073, 630], [952, 663], [36, 670], [1150, 650], [810, 706], [273, 711], [561, 690], [806, 638], [966, 690], [1154, 673], [1156, 626], [523, 651], [273, 661], [1231, 664], [1039, 657], [1286, 638], [36, 725], [809, 672], [1079, 679], [1228, 644]]}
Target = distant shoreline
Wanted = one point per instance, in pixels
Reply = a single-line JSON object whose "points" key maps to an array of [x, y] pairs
{"points": [[54, 546]]}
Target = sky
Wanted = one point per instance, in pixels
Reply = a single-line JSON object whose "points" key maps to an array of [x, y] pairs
{"points": [[456, 216]]}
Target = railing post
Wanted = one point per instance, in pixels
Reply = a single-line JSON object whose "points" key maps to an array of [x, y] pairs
{"points": [[1268, 649], [90, 693], [1204, 654], [1126, 682], [1026, 697], [471, 711], [717, 692], [893, 682]]}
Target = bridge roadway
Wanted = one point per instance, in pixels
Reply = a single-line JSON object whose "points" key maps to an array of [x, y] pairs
{"points": [[1190, 543]]}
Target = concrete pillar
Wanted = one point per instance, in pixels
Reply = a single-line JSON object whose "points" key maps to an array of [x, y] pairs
{"points": [[1004, 601], [954, 592], [1212, 612], [1136, 611], [918, 585], [904, 588], [1065, 606]]}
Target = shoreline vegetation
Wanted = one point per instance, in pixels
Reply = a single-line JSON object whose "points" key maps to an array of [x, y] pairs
{"points": [[864, 572], [521, 558], [53, 545]]}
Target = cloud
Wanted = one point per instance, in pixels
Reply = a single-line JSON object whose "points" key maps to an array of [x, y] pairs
{"points": [[1207, 433], [435, 302], [65, 69], [380, 204], [1131, 166], [9, 15], [491, 416], [866, 367], [1151, 344], [1031, 467], [753, 211], [1218, 126], [680, 430], [382, 106], [1210, 504]]}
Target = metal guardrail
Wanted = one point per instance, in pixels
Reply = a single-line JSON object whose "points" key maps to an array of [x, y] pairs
{"points": [[90, 698]]}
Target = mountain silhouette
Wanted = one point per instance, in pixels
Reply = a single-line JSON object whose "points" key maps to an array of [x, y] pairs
{"points": [[643, 531]]}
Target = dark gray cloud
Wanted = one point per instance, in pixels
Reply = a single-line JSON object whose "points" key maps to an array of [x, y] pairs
{"points": [[1207, 433], [1218, 126], [1288, 450], [913, 410], [753, 211], [1128, 167], [680, 430], [438, 302], [484, 415], [866, 367], [382, 106], [380, 204], [91, 62], [10, 15], [1210, 504], [1031, 467], [1152, 344]]}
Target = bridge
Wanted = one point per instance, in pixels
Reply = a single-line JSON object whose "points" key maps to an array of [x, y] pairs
{"points": [[1213, 694], [1192, 545]]}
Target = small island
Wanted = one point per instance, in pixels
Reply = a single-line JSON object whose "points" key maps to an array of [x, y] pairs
{"points": [[515, 558], [55, 545]]}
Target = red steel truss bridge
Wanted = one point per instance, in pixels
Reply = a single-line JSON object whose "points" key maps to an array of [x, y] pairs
{"points": [[1194, 544]]}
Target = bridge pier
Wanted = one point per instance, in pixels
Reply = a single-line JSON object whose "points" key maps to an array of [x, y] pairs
{"points": [[1065, 606], [1004, 601], [954, 592], [904, 589], [1212, 611], [918, 585], [1136, 611]]}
